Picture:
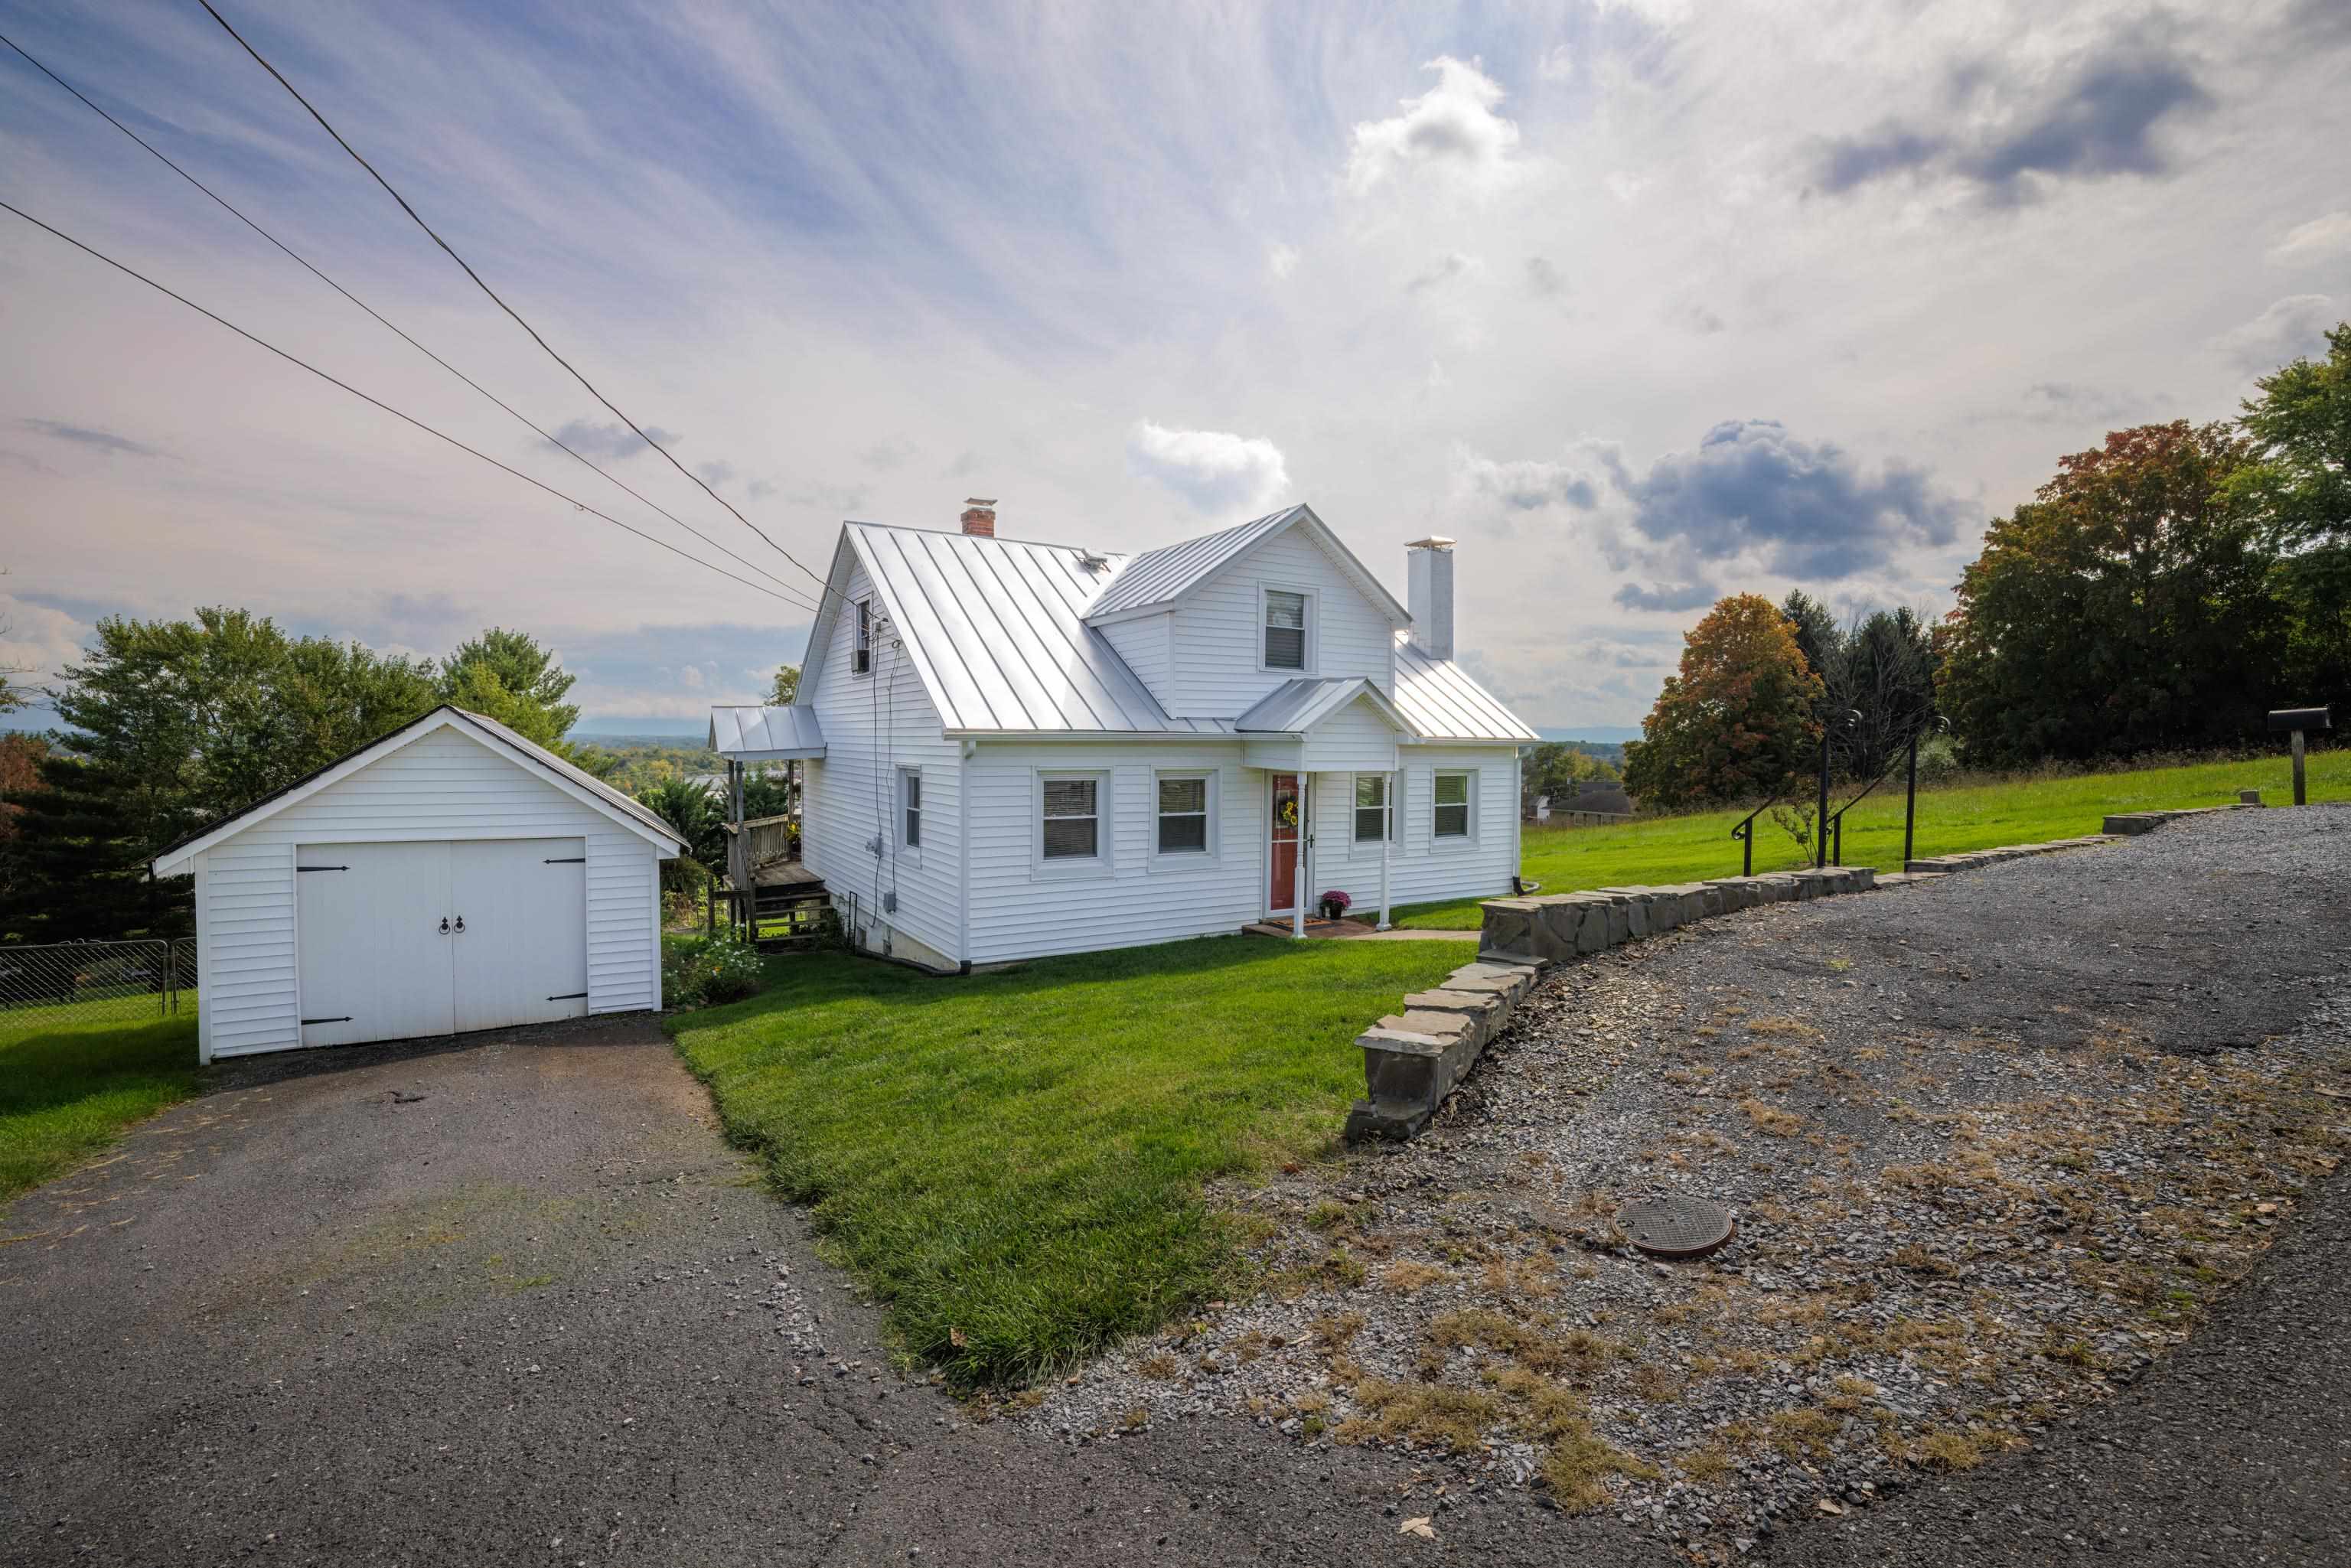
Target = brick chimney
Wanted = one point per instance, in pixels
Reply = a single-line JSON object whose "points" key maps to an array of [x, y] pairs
{"points": [[1429, 594], [979, 517]]}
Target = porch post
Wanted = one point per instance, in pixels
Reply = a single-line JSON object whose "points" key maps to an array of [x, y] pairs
{"points": [[1387, 836], [1298, 900]]}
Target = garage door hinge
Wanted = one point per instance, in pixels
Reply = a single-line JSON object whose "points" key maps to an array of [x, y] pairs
{"points": [[345, 1019], [567, 997], [567, 859], [322, 868]]}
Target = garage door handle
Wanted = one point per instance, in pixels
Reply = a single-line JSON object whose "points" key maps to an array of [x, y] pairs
{"points": [[461, 924], [445, 925]]}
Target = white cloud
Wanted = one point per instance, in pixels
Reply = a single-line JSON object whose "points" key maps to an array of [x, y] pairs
{"points": [[1451, 128], [1557, 64], [2293, 325], [36, 641], [1213, 470], [2320, 239], [690, 677], [1281, 260]]}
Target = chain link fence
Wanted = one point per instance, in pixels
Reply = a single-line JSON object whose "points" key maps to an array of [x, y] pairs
{"points": [[43, 985]]}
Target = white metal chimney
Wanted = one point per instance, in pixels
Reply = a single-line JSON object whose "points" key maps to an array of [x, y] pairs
{"points": [[1429, 596]]}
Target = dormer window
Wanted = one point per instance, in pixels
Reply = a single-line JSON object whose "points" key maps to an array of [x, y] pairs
{"points": [[1285, 629], [861, 658]]}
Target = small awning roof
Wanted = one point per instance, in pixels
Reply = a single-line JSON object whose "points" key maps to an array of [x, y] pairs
{"points": [[1296, 707], [765, 733]]}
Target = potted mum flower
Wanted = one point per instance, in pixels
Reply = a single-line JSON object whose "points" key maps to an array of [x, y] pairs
{"points": [[1335, 904]]}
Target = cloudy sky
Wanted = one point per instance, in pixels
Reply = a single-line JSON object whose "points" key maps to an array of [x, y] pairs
{"points": [[1642, 300]]}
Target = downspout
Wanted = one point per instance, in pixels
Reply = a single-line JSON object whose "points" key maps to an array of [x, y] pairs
{"points": [[965, 752]]}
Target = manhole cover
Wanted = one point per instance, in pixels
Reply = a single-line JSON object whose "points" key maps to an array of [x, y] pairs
{"points": [[1677, 1227]]}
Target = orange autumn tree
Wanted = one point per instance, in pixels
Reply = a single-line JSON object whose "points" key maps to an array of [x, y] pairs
{"points": [[1739, 722]]}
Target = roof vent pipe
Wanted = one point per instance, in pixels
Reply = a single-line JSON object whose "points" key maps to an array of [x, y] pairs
{"points": [[979, 517], [1429, 596]]}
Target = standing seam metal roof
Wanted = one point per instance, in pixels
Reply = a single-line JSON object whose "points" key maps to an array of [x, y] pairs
{"points": [[997, 628], [1441, 701], [1163, 575]]}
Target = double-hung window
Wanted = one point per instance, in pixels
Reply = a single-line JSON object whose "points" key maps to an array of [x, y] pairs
{"points": [[861, 659], [1072, 818], [1184, 815], [1450, 817], [910, 807], [1373, 818], [1285, 629]]}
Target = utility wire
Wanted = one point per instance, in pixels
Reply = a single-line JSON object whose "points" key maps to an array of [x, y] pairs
{"points": [[379, 403], [363, 305], [501, 304]]}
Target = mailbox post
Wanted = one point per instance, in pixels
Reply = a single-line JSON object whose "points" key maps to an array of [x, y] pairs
{"points": [[2299, 719]]}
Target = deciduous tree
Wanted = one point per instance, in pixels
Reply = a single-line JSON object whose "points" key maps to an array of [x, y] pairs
{"points": [[2128, 607], [1738, 721]]}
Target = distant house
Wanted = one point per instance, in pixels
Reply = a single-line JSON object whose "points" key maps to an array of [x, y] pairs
{"points": [[1014, 749]]}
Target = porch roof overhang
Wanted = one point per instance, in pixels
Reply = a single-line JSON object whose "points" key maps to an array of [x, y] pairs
{"points": [[1297, 707], [765, 733]]}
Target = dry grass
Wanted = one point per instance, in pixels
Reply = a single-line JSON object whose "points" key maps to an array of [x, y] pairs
{"points": [[1771, 1119], [1434, 1415], [1407, 1277]]}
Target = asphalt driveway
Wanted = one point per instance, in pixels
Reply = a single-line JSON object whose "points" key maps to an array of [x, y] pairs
{"points": [[515, 1301]]}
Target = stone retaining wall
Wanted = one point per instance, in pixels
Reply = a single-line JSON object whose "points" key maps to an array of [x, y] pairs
{"points": [[1413, 1059], [2132, 823]]}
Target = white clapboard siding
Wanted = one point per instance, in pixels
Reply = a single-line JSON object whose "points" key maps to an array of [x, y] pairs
{"points": [[874, 724], [1357, 739], [1146, 644], [1422, 868], [1023, 908], [444, 784], [1217, 635]]}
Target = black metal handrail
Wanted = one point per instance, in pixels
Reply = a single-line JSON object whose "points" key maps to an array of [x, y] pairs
{"points": [[1745, 834], [1833, 830]]}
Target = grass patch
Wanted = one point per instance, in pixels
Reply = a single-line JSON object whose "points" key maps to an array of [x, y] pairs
{"points": [[1014, 1162], [68, 1091], [1969, 815]]}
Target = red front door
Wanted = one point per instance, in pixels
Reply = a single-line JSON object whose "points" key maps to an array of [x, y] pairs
{"points": [[1283, 848]]}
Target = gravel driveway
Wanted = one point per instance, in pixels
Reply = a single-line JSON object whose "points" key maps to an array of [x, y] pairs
{"points": [[513, 1301], [1998, 1144]]}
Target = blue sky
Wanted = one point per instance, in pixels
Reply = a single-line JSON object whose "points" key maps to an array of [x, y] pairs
{"points": [[1642, 301]]}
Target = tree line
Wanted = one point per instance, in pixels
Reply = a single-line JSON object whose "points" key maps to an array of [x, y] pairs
{"points": [[2161, 592], [174, 725]]}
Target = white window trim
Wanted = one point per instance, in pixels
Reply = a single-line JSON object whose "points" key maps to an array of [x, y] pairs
{"points": [[1105, 799], [913, 853], [1314, 598], [1187, 859], [862, 623], [1441, 841], [1388, 802]]}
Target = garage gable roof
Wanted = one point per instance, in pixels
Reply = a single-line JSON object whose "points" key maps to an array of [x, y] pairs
{"points": [[577, 783]]}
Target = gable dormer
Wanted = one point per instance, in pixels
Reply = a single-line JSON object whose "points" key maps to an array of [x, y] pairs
{"points": [[1212, 626]]}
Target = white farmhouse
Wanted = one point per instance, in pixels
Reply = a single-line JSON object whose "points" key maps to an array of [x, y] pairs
{"points": [[1014, 749]]}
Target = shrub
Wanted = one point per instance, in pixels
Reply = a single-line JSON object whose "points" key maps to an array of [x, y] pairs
{"points": [[704, 971]]}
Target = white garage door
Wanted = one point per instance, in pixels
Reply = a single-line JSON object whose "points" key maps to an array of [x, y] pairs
{"points": [[402, 940]]}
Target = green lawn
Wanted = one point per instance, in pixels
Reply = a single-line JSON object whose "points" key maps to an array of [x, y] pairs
{"points": [[67, 1090], [1014, 1161], [1968, 816]]}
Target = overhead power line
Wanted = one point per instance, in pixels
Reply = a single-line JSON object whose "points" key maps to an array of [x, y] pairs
{"points": [[501, 304], [526, 420], [407, 419]]}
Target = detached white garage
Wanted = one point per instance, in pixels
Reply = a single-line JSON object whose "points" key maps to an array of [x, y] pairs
{"points": [[451, 876]]}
